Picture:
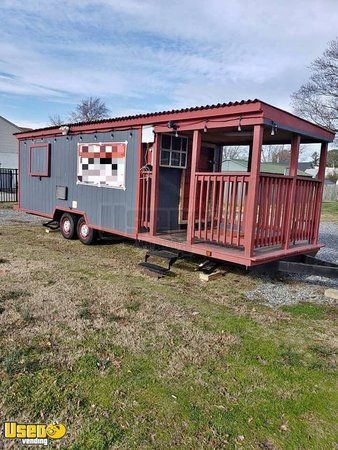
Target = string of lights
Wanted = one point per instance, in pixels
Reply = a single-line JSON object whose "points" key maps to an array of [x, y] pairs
{"points": [[171, 125]]}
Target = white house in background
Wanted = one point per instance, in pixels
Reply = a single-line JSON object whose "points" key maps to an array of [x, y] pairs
{"points": [[9, 144], [328, 171]]}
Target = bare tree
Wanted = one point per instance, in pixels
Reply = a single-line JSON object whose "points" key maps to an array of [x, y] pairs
{"points": [[233, 152], [315, 158], [275, 153], [317, 99], [55, 120], [89, 109]]}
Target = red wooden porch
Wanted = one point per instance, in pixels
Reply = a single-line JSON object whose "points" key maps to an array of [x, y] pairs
{"points": [[242, 217]]}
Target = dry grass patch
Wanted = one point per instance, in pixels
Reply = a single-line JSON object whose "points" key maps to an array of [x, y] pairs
{"points": [[127, 361]]}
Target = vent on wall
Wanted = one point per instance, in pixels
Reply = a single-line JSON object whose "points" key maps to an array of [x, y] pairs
{"points": [[61, 192]]}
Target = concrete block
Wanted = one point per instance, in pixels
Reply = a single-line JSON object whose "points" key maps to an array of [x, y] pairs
{"points": [[211, 276], [331, 293]]}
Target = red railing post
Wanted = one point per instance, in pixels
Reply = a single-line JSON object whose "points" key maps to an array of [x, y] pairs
{"points": [[250, 225], [319, 199], [139, 184], [292, 194], [196, 150], [154, 185]]}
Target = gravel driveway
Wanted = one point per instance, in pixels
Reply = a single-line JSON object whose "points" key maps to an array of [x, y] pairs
{"points": [[12, 217], [294, 288]]}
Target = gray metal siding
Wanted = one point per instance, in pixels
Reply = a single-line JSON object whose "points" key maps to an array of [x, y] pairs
{"points": [[105, 207]]}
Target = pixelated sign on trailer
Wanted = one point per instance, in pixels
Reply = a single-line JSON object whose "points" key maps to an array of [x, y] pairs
{"points": [[102, 164]]}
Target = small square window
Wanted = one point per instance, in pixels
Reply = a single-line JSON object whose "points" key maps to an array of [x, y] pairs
{"points": [[173, 151]]}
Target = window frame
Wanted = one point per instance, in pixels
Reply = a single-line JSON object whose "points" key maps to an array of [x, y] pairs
{"points": [[41, 146], [171, 151]]}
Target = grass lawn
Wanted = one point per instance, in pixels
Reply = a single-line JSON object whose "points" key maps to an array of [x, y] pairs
{"points": [[127, 361], [8, 205], [330, 212]]}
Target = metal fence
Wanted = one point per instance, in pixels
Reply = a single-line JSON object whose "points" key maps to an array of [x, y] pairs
{"points": [[8, 185]]}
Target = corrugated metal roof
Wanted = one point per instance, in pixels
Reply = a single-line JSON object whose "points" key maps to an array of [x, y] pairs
{"points": [[154, 114]]}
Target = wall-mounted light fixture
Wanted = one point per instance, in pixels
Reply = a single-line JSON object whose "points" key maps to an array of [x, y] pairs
{"points": [[239, 128], [173, 125], [273, 128], [64, 129]]}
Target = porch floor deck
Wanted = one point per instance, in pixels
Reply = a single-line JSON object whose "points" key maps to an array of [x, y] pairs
{"points": [[178, 240], [176, 236]]}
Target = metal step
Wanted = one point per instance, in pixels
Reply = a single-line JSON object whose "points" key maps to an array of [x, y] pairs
{"points": [[171, 257], [158, 270], [208, 266]]}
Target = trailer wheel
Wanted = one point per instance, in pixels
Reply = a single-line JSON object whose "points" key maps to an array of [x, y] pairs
{"points": [[68, 226], [86, 234]]}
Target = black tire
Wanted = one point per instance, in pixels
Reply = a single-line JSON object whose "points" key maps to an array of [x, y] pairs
{"points": [[86, 234], [68, 224]]}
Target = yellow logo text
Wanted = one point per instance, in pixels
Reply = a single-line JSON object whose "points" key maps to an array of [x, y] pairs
{"points": [[14, 430]]}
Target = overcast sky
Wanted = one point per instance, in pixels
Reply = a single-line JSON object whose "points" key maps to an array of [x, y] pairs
{"points": [[143, 56]]}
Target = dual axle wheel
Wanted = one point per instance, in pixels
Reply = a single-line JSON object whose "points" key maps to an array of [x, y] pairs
{"points": [[73, 227]]}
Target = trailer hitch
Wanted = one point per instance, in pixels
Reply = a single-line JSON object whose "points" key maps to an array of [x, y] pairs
{"points": [[309, 265]]}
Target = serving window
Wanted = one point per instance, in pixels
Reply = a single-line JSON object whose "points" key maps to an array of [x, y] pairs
{"points": [[102, 164], [39, 155]]}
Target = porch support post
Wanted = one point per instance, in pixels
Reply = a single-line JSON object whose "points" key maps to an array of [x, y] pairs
{"points": [[292, 192], [319, 199], [195, 157], [251, 201], [154, 185], [138, 183]]}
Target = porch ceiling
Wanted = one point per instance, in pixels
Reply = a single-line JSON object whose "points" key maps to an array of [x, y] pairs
{"points": [[231, 136]]}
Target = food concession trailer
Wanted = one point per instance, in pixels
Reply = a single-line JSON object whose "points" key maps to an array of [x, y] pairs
{"points": [[158, 178]]}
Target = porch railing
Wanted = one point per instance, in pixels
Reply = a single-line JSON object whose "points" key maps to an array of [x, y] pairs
{"points": [[220, 204], [146, 181], [273, 202], [305, 210]]}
